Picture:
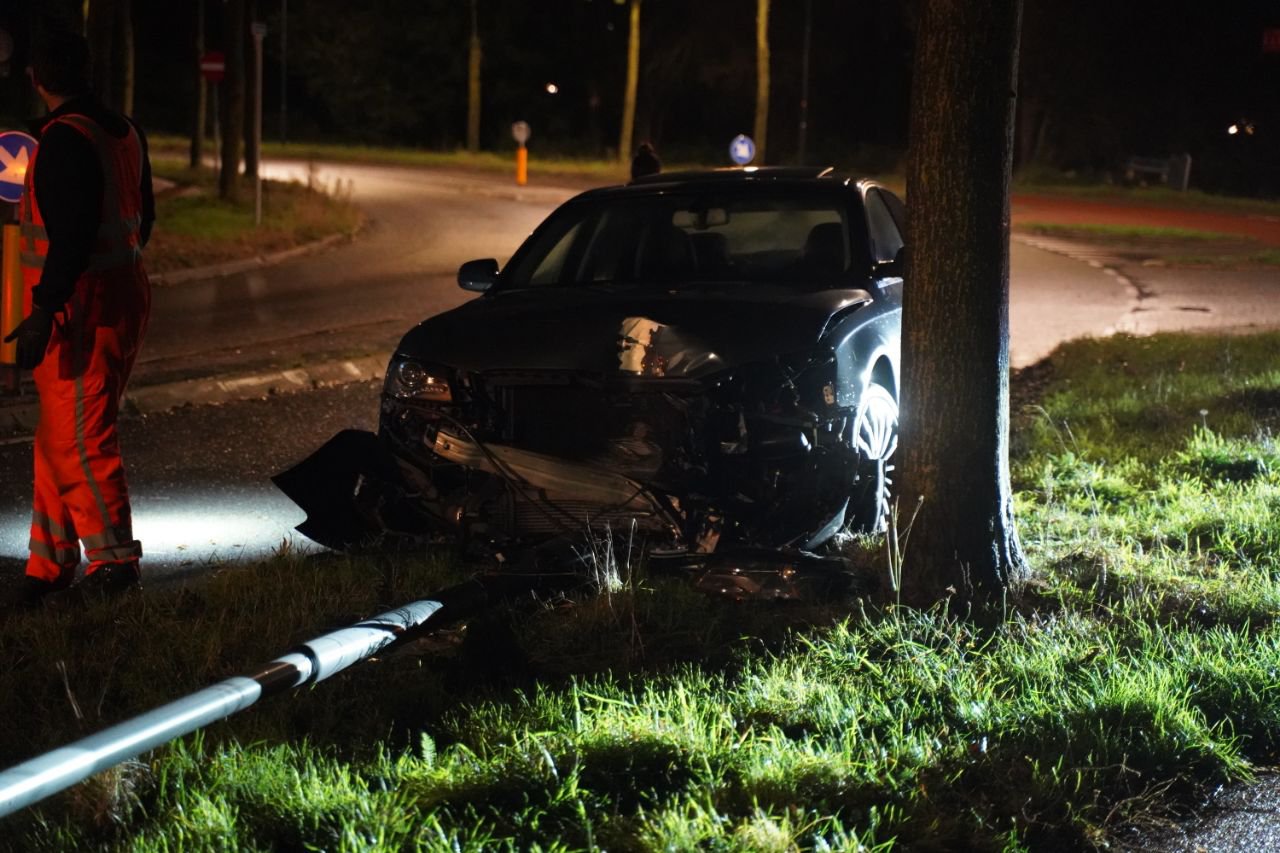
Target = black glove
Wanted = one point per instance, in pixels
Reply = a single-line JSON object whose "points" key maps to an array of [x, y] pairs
{"points": [[32, 335]]}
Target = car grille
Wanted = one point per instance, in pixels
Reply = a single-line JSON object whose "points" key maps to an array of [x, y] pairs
{"points": [[639, 433], [530, 518]]}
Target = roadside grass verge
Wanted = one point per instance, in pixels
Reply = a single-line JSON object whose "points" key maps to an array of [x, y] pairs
{"points": [[1187, 247], [1136, 672], [195, 228], [1125, 233], [1157, 196]]}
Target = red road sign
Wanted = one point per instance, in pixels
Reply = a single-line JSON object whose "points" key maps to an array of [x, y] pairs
{"points": [[1271, 40], [213, 65]]}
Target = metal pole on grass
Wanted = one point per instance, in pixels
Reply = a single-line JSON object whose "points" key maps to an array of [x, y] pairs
{"points": [[315, 660]]}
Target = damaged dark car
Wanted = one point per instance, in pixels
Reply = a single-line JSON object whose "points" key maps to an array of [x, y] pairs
{"points": [[705, 359]]}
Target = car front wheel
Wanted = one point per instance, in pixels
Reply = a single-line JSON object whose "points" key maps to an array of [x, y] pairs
{"points": [[875, 438]]}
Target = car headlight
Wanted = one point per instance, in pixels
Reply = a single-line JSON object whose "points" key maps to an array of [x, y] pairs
{"points": [[412, 380]]}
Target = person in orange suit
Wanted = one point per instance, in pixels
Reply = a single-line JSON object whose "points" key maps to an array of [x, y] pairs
{"points": [[85, 216]]}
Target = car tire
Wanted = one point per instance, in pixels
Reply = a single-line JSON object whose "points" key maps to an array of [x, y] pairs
{"points": [[875, 439]]}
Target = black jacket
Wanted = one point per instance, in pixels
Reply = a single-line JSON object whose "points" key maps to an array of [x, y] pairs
{"points": [[68, 188]]}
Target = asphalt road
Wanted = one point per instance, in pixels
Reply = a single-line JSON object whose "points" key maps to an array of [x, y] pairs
{"points": [[424, 223], [200, 475], [202, 497], [199, 478]]}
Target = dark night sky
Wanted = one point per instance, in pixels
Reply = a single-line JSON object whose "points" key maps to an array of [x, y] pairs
{"points": [[1101, 79]]}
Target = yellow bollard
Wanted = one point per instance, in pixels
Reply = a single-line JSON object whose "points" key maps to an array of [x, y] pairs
{"points": [[522, 165], [10, 302]]}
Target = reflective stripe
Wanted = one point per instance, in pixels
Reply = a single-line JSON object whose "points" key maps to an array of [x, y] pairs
{"points": [[61, 556], [33, 232], [108, 538], [31, 260], [45, 523], [123, 553], [119, 258]]}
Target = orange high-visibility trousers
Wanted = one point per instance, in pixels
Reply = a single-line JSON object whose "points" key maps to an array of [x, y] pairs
{"points": [[80, 491]]}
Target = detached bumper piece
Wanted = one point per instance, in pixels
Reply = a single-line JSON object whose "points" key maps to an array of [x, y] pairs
{"points": [[355, 495]]}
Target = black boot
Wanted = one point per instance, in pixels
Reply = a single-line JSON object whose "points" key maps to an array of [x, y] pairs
{"points": [[109, 580], [30, 592]]}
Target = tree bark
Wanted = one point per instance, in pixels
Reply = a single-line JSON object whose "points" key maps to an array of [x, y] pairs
{"points": [[202, 94], [125, 55], [625, 139], [232, 105], [955, 348], [100, 30], [251, 153], [761, 131], [474, 58]]}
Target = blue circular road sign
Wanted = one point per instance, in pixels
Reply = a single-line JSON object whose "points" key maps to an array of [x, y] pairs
{"points": [[16, 149], [742, 150]]}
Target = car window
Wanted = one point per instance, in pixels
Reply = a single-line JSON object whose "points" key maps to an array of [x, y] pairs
{"points": [[781, 238], [886, 239], [551, 267]]}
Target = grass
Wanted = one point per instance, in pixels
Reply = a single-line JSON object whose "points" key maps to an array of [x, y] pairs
{"points": [[1169, 245], [1135, 673], [195, 228], [1125, 233], [1038, 182]]}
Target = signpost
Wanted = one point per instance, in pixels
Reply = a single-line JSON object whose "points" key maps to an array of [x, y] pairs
{"points": [[520, 133], [742, 150], [259, 31], [213, 67], [16, 151]]}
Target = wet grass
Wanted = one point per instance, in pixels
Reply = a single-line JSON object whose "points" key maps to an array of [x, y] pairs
{"points": [[1126, 233], [195, 228], [1135, 672]]}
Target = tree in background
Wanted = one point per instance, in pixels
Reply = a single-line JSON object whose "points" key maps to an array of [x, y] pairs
{"points": [[251, 153], [627, 134], [760, 133], [955, 348], [232, 106], [201, 90], [109, 29], [474, 59]]}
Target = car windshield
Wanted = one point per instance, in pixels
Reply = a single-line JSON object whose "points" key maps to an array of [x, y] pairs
{"points": [[675, 240]]}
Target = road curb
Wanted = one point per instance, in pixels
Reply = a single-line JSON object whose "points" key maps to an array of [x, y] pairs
{"points": [[23, 416], [172, 277]]}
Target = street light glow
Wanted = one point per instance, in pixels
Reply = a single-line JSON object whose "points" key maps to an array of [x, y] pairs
{"points": [[553, 89]]}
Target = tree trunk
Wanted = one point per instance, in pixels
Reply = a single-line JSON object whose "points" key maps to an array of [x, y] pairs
{"points": [[232, 105], [633, 81], [955, 348], [100, 30], [473, 84], [760, 133], [252, 93], [202, 94], [125, 55]]}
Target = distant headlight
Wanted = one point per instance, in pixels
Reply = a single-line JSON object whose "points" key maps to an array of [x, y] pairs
{"points": [[412, 380]]}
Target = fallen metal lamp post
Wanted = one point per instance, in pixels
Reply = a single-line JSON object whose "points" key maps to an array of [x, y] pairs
{"points": [[312, 661]]}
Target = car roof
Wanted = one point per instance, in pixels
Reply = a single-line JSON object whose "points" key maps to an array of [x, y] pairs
{"points": [[742, 176]]}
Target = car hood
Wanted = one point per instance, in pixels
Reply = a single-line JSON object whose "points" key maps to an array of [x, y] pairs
{"points": [[689, 333]]}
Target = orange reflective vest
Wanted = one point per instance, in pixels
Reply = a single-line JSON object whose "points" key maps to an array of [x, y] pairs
{"points": [[118, 246]]}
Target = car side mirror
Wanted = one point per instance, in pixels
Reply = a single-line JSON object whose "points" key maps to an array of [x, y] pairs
{"points": [[478, 276], [896, 268]]}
